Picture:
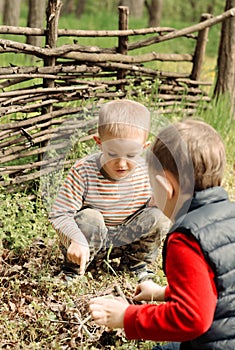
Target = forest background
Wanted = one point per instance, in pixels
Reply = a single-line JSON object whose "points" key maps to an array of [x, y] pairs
{"points": [[37, 310]]}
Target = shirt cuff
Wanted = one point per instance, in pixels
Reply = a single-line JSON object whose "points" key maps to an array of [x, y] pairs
{"points": [[167, 293]]}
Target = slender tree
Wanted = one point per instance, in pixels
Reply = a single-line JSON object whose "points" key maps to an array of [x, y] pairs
{"points": [[226, 58], [80, 6], [211, 6], [155, 12], [68, 6], [11, 12], [1, 6], [136, 7], [36, 16]]}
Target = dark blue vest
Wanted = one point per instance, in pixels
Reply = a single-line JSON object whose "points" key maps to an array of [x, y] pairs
{"points": [[211, 220]]}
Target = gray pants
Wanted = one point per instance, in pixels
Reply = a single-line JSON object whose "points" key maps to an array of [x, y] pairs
{"points": [[136, 240]]}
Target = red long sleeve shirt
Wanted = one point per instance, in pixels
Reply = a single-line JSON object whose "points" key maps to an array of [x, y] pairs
{"points": [[190, 296]]}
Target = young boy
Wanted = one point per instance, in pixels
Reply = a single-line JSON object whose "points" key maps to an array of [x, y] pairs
{"points": [[102, 207], [198, 256]]}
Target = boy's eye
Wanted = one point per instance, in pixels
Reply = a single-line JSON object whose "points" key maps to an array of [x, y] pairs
{"points": [[113, 155]]}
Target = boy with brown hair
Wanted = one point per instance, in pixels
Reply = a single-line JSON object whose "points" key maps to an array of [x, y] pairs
{"points": [[103, 205], [186, 166]]}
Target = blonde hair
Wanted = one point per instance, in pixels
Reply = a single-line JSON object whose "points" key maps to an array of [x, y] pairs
{"points": [[191, 141], [122, 117]]}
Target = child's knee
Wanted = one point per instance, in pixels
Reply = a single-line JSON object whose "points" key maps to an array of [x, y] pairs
{"points": [[157, 219], [90, 221], [90, 215]]}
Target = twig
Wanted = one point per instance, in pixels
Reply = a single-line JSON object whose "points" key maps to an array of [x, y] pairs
{"points": [[82, 324], [66, 322], [118, 290]]}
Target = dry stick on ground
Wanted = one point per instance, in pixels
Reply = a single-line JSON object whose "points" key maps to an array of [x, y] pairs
{"points": [[118, 290], [80, 323], [83, 325]]}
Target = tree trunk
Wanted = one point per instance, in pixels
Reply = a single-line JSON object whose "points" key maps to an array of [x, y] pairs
{"points": [[36, 15], [80, 8], [226, 58], [211, 6], [1, 6], [68, 7], [154, 12], [11, 12], [194, 5], [136, 7]]}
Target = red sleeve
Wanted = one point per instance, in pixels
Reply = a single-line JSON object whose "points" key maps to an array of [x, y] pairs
{"points": [[191, 297]]}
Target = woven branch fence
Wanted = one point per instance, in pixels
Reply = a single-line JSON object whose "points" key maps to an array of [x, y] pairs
{"points": [[44, 105]]}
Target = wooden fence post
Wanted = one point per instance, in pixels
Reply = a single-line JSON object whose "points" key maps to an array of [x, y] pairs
{"points": [[122, 42], [53, 13], [200, 49]]}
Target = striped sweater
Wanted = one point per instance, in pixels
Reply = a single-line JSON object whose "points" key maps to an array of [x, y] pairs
{"points": [[85, 185]]}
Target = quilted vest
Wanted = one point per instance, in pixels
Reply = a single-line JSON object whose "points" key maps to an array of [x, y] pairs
{"points": [[211, 220]]}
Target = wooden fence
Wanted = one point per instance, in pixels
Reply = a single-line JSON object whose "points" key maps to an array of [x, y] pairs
{"points": [[43, 105]]}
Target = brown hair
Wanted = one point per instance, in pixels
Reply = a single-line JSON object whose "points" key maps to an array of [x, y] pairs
{"points": [[190, 149], [121, 117]]}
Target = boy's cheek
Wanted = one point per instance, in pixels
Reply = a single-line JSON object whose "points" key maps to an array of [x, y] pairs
{"points": [[159, 196]]}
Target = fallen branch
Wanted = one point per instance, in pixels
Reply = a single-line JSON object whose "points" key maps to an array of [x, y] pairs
{"points": [[118, 290]]}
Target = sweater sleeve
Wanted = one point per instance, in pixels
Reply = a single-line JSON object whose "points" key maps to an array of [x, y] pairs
{"points": [[191, 297], [66, 205]]}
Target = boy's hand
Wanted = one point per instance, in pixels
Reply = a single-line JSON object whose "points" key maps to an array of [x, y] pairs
{"points": [[149, 291], [78, 254], [108, 311]]}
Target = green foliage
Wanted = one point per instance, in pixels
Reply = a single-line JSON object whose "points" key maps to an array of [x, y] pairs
{"points": [[191, 10], [21, 220], [220, 117]]}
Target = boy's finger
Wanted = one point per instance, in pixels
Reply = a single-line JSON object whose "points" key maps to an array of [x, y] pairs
{"points": [[137, 291], [137, 297], [102, 299], [88, 256], [95, 307], [82, 266], [94, 301], [83, 260]]}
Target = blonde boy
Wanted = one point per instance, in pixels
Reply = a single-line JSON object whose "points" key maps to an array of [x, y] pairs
{"points": [[103, 203]]}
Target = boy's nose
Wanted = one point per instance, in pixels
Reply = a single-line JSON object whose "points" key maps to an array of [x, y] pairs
{"points": [[121, 162]]}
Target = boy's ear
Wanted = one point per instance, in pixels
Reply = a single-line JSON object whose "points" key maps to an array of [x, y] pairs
{"points": [[97, 140], [166, 184], [147, 144]]}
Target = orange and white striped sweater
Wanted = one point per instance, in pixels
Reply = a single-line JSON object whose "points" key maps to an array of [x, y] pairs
{"points": [[86, 185]]}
